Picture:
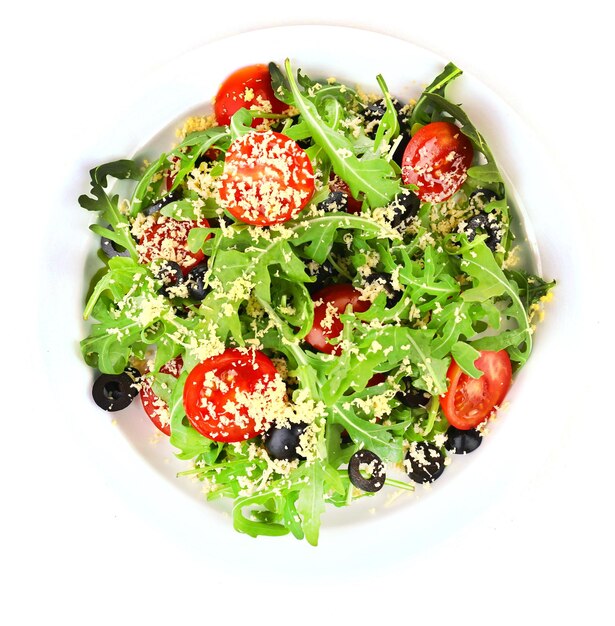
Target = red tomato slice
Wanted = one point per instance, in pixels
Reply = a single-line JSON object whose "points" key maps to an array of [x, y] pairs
{"points": [[337, 184], [470, 401], [250, 88], [268, 179], [225, 396], [157, 409], [436, 160], [167, 239], [330, 302]]}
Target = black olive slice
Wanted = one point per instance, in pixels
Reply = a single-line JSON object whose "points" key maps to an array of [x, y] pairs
{"points": [[410, 396], [398, 155], [195, 282], [335, 201], [114, 392], [424, 462], [111, 249], [491, 226], [479, 198], [375, 111], [282, 443], [172, 196], [375, 482], [405, 205], [182, 312], [462, 441], [384, 280]]}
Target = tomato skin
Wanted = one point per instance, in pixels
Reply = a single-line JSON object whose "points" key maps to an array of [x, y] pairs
{"points": [[470, 401], [215, 382], [152, 404], [247, 87], [337, 297], [436, 160], [268, 179], [167, 238]]}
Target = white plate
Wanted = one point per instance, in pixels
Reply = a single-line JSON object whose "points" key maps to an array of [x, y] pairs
{"points": [[145, 472]]}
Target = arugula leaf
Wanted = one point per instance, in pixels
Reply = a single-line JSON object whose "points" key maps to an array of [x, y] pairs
{"points": [[375, 437], [121, 169], [241, 123], [388, 127], [489, 281], [254, 528], [531, 288], [455, 320], [322, 231], [431, 370], [310, 504], [108, 206], [427, 276], [279, 84], [375, 177], [486, 173], [290, 516], [423, 111], [143, 194], [465, 356]]}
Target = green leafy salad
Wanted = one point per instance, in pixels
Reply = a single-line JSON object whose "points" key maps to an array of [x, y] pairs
{"points": [[316, 293]]}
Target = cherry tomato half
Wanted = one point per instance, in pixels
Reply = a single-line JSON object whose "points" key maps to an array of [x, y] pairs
{"points": [[158, 410], [330, 302], [268, 179], [221, 395], [167, 239], [436, 160], [248, 87], [470, 401]]}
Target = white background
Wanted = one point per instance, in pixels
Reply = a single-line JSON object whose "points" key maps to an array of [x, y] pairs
{"points": [[75, 551]]}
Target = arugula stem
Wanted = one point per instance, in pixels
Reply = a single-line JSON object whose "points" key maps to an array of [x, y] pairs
{"points": [[391, 482], [432, 413]]}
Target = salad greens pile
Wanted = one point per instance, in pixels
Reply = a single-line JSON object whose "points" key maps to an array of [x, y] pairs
{"points": [[456, 295]]}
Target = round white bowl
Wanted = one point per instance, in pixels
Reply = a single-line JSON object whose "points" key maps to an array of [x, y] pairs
{"points": [[141, 465]]}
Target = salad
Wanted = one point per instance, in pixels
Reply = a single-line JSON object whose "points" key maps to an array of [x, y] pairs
{"points": [[315, 293]]}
